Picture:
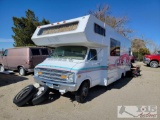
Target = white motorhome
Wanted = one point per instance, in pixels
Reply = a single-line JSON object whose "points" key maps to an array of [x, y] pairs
{"points": [[87, 53]]}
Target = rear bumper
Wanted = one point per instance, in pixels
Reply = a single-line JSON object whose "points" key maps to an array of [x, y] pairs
{"points": [[57, 85], [30, 70]]}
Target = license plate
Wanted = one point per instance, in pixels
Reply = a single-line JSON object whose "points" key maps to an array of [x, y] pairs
{"points": [[49, 85]]}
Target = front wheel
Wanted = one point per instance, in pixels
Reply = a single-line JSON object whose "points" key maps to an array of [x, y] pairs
{"points": [[82, 92], [153, 64], [2, 68]]}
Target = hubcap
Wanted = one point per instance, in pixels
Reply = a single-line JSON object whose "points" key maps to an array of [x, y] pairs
{"points": [[40, 91], [21, 71], [154, 64], [1, 68]]}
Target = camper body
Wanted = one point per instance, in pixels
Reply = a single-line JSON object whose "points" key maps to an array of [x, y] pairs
{"points": [[87, 53]]}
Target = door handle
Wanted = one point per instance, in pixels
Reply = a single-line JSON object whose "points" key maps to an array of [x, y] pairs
{"points": [[97, 63]]}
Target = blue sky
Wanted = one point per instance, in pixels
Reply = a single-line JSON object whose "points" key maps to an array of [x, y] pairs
{"points": [[144, 15]]}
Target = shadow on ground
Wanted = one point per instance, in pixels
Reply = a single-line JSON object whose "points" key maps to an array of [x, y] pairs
{"points": [[98, 90], [7, 79], [94, 92]]}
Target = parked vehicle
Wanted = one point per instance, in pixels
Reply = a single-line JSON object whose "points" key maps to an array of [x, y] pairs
{"points": [[87, 53], [152, 60], [23, 59]]}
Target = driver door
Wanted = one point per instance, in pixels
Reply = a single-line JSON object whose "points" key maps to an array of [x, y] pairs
{"points": [[93, 67], [4, 59]]}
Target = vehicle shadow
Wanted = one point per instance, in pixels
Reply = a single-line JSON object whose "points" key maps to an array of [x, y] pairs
{"points": [[94, 92], [7, 79], [53, 96], [99, 90]]}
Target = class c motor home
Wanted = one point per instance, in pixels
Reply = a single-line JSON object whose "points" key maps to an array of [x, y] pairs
{"points": [[87, 53]]}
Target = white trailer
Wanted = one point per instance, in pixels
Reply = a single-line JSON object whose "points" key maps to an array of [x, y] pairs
{"points": [[87, 53]]}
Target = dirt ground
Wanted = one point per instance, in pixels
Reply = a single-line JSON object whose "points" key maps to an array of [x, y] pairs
{"points": [[101, 104]]}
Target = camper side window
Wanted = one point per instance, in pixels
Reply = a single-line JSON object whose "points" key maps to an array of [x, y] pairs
{"points": [[98, 29], [92, 55], [114, 47]]}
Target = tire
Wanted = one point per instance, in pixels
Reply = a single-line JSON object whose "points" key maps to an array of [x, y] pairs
{"points": [[82, 92], [41, 95], [22, 71], [24, 96], [2, 68], [153, 64]]}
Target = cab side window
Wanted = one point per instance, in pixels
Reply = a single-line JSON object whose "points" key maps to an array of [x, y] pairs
{"points": [[5, 53], [35, 52], [44, 51], [92, 55]]}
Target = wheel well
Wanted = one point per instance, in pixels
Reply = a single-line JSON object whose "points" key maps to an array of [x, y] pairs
{"points": [[88, 81], [19, 67], [154, 60]]}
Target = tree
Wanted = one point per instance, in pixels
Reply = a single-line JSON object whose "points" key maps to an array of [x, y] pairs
{"points": [[144, 51], [24, 28], [119, 24], [152, 46], [137, 44], [139, 48]]}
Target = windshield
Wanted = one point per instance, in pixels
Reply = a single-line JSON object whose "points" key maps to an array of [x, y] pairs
{"points": [[70, 52], [158, 52]]}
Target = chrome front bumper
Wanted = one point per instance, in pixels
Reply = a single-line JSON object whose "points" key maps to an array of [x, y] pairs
{"points": [[146, 61], [57, 85]]}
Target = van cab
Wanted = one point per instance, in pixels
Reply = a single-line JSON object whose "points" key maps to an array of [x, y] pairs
{"points": [[23, 59]]}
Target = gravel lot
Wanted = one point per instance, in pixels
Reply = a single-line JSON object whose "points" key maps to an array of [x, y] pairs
{"points": [[101, 104]]}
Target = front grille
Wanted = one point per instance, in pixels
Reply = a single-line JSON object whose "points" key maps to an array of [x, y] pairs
{"points": [[52, 74]]}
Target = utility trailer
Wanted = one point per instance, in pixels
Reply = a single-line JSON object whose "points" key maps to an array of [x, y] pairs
{"points": [[87, 53]]}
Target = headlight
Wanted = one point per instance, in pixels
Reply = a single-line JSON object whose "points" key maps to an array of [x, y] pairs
{"points": [[70, 77], [36, 71], [148, 59]]}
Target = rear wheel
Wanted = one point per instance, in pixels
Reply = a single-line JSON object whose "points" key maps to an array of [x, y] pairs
{"points": [[82, 93], [153, 64], [2, 68], [22, 71]]}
